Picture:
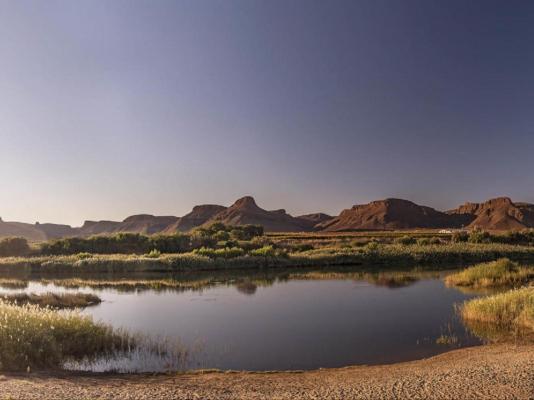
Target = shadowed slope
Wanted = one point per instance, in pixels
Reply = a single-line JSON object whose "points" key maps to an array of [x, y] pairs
{"points": [[245, 211], [198, 216], [497, 214], [389, 214]]}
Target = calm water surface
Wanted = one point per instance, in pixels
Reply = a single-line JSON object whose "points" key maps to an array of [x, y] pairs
{"points": [[293, 324]]}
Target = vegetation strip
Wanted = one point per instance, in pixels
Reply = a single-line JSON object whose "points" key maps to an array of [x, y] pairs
{"points": [[372, 254], [502, 272], [508, 310], [53, 300], [35, 337]]}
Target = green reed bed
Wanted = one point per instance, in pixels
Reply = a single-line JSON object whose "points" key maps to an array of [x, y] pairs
{"points": [[131, 284], [385, 255], [35, 337], [499, 273], [53, 300], [8, 283], [508, 311]]}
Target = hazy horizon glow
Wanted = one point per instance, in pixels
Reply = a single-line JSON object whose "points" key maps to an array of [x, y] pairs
{"points": [[113, 108]]}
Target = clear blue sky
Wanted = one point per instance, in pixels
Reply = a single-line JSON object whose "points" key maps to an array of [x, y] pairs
{"points": [[109, 108]]}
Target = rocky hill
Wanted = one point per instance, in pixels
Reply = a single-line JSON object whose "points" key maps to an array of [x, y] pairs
{"points": [[390, 214], [316, 218], [198, 216], [28, 231], [497, 214], [245, 211], [142, 223]]}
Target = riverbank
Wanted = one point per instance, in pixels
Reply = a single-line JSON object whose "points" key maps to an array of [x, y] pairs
{"points": [[486, 372], [384, 255]]}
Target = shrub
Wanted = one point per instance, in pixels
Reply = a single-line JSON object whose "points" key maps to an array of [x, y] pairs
{"points": [[459, 237], [83, 256], [13, 247], [515, 237], [435, 240], [153, 254], [176, 243], [372, 247], [202, 238], [221, 236], [125, 243], [302, 247], [479, 236], [246, 232], [423, 241], [405, 240], [222, 253], [268, 251]]}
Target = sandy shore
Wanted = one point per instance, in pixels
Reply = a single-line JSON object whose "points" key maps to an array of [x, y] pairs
{"points": [[487, 372]]}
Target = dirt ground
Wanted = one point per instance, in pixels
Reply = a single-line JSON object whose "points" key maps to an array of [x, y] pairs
{"points": [[486, 372]]}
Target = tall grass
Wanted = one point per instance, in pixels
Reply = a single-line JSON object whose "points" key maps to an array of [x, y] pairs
{"points": [[35, 337], [508, 310], [502, 272], [384, 255], [14, 246], [53, 300]]}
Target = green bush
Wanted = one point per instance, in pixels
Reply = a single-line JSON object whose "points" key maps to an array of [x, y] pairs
{"points": [[459, 237], [372, 247], [515, 237], [221, 236], [153, 254], [220, 253], [176, 243], [14, 247], [83, 256], [405, 240], [216, 235], [423, 241], [121, 243], [479, 236], [246, 232], [268, 251]]}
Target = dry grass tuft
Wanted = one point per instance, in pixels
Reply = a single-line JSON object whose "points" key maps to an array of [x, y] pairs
{"points": [[502, 272]]}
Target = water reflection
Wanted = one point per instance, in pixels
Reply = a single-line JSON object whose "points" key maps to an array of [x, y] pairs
{"points": [[246, 282], [270, 319]]}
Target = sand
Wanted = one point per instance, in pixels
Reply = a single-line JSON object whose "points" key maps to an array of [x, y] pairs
{"points": [[485, 372]]}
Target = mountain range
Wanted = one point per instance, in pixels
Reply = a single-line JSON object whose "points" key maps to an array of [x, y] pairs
{"points": [[389, 214]]}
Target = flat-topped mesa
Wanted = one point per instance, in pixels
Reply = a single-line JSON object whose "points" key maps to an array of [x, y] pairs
{"points": [[472, 208], [56, 231], [389, 214], [500, 213], [147, 217], [146, 223]]}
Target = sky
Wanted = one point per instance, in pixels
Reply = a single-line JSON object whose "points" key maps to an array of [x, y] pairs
{"points": [[112, 108]]}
